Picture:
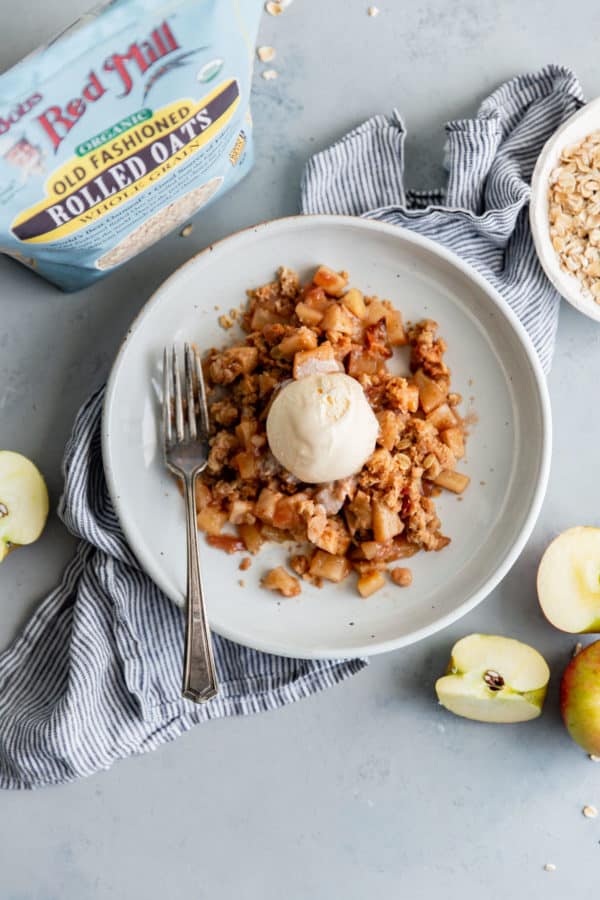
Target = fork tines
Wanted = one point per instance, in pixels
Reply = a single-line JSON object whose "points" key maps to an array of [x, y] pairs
{"points": [[185, 414]]}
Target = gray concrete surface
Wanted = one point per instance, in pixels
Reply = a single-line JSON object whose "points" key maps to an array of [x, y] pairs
{"points": [[369, 790]]}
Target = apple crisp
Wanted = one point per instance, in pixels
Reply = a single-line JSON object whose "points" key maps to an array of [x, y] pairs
{"points": [[360, 524]]}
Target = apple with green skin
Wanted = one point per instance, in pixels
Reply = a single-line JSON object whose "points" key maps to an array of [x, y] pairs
{"points": [[23, 502], [568, 581], [494, 679], [580, 698]]}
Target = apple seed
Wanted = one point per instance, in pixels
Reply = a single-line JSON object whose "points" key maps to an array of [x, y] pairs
{"points": [[494, 680], [3, 510]]}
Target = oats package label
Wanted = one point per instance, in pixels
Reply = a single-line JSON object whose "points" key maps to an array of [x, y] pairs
{"points": [[122, 128]]}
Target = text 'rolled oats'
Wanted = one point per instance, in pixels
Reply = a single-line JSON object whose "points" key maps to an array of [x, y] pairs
{"points": [[120, 130]]}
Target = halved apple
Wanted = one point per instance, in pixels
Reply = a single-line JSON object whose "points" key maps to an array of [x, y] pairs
{"points": [[494, 679], [568, 581], [23, 502]]}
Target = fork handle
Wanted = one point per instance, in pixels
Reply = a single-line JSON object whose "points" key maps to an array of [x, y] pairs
{"points": [[199, 676]]}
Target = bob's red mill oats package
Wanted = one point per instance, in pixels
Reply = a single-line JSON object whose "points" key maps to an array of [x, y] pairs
{"points": [[121, 129]]}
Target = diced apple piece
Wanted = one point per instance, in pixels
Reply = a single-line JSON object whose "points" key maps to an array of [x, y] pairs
{"points": [[308, 315], [245, 431], [262, 317], [369, 582], [382, 309], [280, 580], [333, 538], [319, 361], [375, 311], [431, 394], [245, 463], [266, 505], [494, 679], [442, 417], [376, 340], [395, 329], [227, 542], [452, 481], [389, 428], [373, 550], [454, 440], [211, 519], [251, 536], [241, 511], [23, 502], [329, 566], [333, 283], [362, 363], [286, 515], [386, 522], [302, 339], [270, 533], [266, 383], [354, 301], [338, 318], [316, 298], [366, 566], [568, 580]]}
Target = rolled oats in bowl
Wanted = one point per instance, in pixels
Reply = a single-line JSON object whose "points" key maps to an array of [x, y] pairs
{"points": [[120, 129], [574, 212]]}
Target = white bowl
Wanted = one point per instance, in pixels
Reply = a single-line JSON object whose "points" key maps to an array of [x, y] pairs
{"points": [[508, 452], [577, 127]]}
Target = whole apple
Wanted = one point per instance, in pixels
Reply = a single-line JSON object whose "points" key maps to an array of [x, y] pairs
{"points": [[580, 698]]}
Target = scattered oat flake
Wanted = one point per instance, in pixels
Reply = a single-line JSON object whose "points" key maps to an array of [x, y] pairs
{"points": [[594, 758], [270, 74], [549, 867], [245, 563], [242, 583], [577, 648], [266, 54], [590, 812], [226, 322], [274, 9], [373, 11], [185, 232]]}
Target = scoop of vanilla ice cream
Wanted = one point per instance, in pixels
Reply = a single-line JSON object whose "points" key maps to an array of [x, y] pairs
{"points": [[321, 428]]}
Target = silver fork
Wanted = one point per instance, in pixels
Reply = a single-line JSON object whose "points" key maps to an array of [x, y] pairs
{"points": [[186, 455]]}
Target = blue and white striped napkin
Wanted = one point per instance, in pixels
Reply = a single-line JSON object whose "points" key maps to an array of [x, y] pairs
{"points": [[95, 675]]}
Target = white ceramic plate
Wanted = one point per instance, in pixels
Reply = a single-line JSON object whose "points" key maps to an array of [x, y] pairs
{"points": [[577, 126], [508, 458]]}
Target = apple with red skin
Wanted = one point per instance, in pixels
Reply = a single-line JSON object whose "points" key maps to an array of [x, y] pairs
{"points": [[580, 698]]}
